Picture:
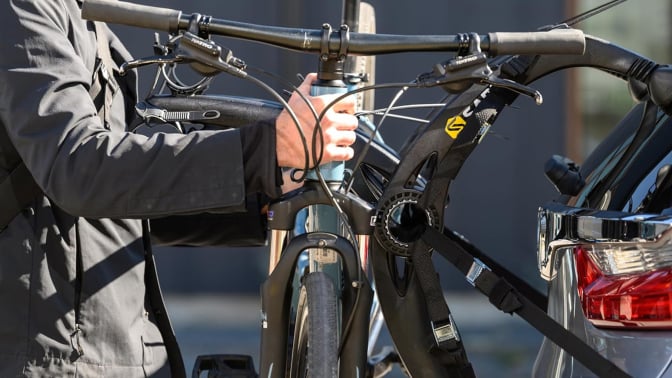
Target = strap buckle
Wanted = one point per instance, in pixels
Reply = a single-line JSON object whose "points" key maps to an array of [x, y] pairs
{"points": [[477, 267], [147, 111], [445, 331]]}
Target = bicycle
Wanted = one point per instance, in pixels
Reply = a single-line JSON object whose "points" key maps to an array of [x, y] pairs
{"points": [[396, 198]]}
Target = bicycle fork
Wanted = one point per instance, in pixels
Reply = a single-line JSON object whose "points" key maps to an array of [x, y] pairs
{"points": [[330, 250]]}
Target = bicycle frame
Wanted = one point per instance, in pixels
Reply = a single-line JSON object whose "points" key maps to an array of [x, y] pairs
{"points": [[317, 217], [419, 184], [599, 54]]}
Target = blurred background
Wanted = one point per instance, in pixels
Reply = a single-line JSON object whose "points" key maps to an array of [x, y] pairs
{"points": [[212, 293]]}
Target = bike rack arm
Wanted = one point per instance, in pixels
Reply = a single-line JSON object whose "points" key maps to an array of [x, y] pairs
{"points": [[599, 54], [644, 75]]}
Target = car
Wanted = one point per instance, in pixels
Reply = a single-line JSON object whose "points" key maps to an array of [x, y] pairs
{"points": [[605, 250]]}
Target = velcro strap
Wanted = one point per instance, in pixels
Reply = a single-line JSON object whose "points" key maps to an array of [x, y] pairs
{"points": [[504, 297], [455, 363]]}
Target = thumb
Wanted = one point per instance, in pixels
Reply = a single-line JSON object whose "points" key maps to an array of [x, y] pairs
{"points": [[307, 82]]}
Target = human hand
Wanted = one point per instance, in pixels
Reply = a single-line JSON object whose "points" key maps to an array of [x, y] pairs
{"points": [[338, 128]]}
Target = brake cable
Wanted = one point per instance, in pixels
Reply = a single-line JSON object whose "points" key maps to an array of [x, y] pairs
{"points": [[592, 12]]}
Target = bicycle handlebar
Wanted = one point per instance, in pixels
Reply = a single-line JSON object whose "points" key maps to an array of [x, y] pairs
{"points": [[559, 41]]}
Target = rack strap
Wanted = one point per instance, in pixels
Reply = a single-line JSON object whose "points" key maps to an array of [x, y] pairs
{"points": [[507, 298]]}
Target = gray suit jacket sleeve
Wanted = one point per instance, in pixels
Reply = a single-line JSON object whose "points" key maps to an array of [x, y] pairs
{"points": [[87, 169]]}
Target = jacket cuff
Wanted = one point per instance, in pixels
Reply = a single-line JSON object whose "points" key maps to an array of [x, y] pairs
{"points": [[260, 164]]}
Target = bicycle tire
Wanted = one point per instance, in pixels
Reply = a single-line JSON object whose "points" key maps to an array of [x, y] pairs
{"points": [[314, 351]]}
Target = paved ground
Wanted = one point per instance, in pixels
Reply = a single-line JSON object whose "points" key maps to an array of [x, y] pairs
{"points": [[498, 345]]}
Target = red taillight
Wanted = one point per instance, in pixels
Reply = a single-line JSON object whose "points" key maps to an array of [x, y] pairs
{"points": [[632, 300]]}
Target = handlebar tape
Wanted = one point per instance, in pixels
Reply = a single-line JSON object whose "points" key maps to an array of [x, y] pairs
{"points": [[124, 13], [557, 41]]}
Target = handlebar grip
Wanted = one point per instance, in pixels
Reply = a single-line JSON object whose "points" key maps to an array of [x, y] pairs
{"points": [[124, 13], [556, 41]]}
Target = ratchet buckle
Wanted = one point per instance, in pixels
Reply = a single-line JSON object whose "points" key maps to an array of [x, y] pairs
{"points": [[147, 112], [445, 331]]}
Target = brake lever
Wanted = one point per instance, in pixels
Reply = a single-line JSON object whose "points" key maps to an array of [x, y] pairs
{"points": [[462, 71], [155, 59], [205, 57], [515, 87]]}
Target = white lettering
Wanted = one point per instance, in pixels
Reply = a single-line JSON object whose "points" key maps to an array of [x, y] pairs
{"points": [[470, 110]]}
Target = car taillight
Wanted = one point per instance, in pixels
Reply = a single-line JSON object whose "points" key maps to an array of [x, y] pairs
{"points": [[625, 286]]}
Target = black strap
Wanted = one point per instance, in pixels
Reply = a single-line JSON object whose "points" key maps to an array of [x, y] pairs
{"points": [[447, 339], [103, 83], [508, 299], [177, 369], [106, 87], [540, 300]]}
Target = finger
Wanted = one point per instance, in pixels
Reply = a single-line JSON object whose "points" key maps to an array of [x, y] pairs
{"points": [[340, 137], [304, 87], [337, 153], [345, 105], [338, 103], [346, 138], [340, 121]]}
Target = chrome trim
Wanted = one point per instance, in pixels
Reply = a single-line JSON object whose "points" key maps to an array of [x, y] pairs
{"points": [[376, 323], [277, 242], [363, 248], [560, 226], [445, 331], [477, 267]]}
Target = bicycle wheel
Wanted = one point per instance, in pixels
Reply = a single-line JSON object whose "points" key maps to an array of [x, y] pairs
{"points": [[315, 349]]}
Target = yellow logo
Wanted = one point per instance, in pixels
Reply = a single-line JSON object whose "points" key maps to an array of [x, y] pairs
{"points": [[454, 126]]}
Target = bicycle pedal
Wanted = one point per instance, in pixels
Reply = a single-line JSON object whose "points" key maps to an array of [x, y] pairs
{"points": [[224, 366]]}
